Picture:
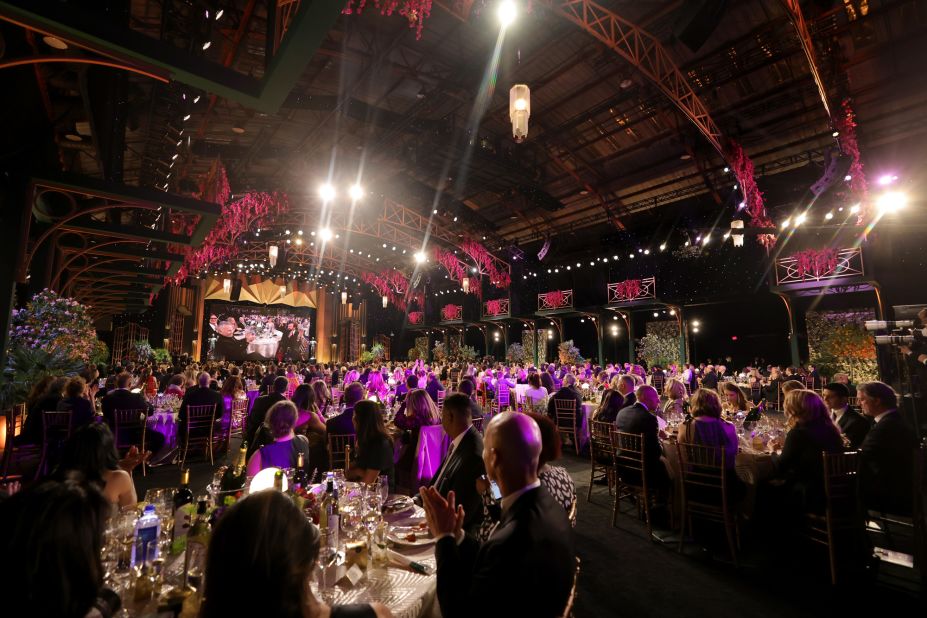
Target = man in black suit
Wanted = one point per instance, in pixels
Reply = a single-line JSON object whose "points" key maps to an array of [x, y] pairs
{"points": [[267, 382], [887, 452], [121, 398], [344, 423], [626, 386], [710, 379], [640, 418], [463, 463], [259, 410], [432, 386], [852, 424], [200, 395], [526, 566], [468, 388], [228, 347], [568, 391]]}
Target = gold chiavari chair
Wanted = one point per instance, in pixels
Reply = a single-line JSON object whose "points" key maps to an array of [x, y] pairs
{"points": [[129, 429], [631, 475], [705, 492], [565, 418], [842, 518], [601, 455], [200, 431], [56, 428], [339, 450]]}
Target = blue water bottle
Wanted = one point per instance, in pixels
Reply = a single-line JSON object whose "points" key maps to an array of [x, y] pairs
{"points": [[147, 532]]}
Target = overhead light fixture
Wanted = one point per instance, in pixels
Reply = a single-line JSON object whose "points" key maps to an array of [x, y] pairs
{"points": [[54, 42], [887, 179], [219, 14], [356, 192], [327, 192], [625, 83], [238, 130], [800, 219], [226, 285], [272, 253], [187, 117], [829, 216], [726, 169], [385, 301], [519, 110], [890, 202], [206, 45], [419, 257], [848, 178], [507, 12], [73, 137], [786, 223], [737, 224], [854, 209]]}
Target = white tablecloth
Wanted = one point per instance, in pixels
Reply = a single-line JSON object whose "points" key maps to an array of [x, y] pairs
{"points": [[583, 426], [266, 347]]}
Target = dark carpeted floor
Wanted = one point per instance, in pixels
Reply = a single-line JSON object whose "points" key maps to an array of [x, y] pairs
{"points": [[625, 574]]}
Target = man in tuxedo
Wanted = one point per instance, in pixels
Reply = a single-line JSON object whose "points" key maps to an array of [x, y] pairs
{"points": [[526, 566], [200, 395], [626, 386], [121, 398], [468, 388], [463, 463], [852, 424], [568, 391], [344, 423], [228, 347], [267, 382], [433, 386], [640, 418], [887, 452], [710, 378], [259, 410]]}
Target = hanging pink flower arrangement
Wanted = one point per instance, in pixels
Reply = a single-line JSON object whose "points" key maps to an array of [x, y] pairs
{"points": [[816, 262], [415, 11], [416, 317], [495, 307], [451, 312], [753, 198], [495, 269], [845, 126], [628, 290]]}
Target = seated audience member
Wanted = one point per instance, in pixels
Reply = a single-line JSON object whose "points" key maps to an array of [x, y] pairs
{"points": [[852, 424], [233, 388], [735, 400], [200, 395], [279, 561], [47, 401], [567, 392], [675, 392], [705, 427], [258, 414], [420, 410], [323, 397], [76, 402], [810, 432], [374, 455], [555, 479], [887, 452], [284, 451], [468, 387], [433, 386], [526, 567], [463, 463], [535, 395], [175, 386], [789, 386], [309, 420], [640, 418], [609, 407], [51, 547], [121, 398], [91, 451], [343, 423]]}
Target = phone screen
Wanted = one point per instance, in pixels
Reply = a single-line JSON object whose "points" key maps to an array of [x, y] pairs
{"points": [[494, 489]]}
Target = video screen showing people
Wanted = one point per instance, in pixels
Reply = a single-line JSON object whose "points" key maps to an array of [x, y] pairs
{"points": [[242, 332]]}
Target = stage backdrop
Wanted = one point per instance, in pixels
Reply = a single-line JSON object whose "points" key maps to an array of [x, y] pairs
{"points": [[242, 331]]}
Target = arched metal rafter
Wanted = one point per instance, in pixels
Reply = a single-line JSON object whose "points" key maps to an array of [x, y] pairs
{"points": [[793, 7], [647, 54]]}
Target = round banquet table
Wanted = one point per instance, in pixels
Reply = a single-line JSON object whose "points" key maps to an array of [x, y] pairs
{"points": [[164, 422], [265, 347]]}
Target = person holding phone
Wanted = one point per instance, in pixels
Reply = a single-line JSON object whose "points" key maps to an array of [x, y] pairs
{"points": [[555, 478]]}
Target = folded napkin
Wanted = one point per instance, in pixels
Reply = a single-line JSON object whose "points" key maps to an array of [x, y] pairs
{"points": [[407, 563]]}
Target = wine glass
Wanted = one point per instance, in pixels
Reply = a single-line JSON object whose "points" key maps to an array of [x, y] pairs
{"points": [[383, 480]]}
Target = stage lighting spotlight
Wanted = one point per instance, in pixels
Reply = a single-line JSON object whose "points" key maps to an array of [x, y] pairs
{"points": [[327, 192]]}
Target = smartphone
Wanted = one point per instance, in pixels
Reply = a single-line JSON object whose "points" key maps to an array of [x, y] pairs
{"points": [[494, 490]]}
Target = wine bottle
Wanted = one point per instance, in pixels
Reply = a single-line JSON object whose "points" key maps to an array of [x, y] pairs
{"points": [[328, 511], [754, 414], [323, 506], [300, 476], [235, 476], [183, 513], [197, 542], [278, 480]]}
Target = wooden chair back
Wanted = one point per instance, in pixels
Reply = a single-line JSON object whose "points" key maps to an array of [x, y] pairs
{"points": [[14, 420], [339, 447], [565, 418], [478, 423], [238, 416], [571, 600], [629, 454], [56, 428], [702, 473], [440, 402], [200, 431], [129, 423]]}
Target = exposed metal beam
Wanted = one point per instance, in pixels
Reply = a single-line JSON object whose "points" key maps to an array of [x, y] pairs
{"points": [[130, 232], [85, 29]]}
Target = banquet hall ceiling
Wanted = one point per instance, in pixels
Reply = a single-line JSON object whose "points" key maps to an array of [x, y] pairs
{"points": [[407, 118]]}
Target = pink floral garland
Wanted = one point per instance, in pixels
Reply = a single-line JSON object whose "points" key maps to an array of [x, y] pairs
{"points": [[395, 286], [817, 262], [457, 270], [494, 307], [628, 290], [555, 298], [416, 317], [451, 312], [846, 127], [416, 11], [487, 263], [753, 198], [236, 218]]}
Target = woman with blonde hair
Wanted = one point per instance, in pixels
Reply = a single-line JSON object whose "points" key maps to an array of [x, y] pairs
{"points": [[675, 393], [323, 396], [811, 431]]}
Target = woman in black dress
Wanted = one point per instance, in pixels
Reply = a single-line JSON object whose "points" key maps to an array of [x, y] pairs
{"points": [[374, 445], [267, 544]]}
